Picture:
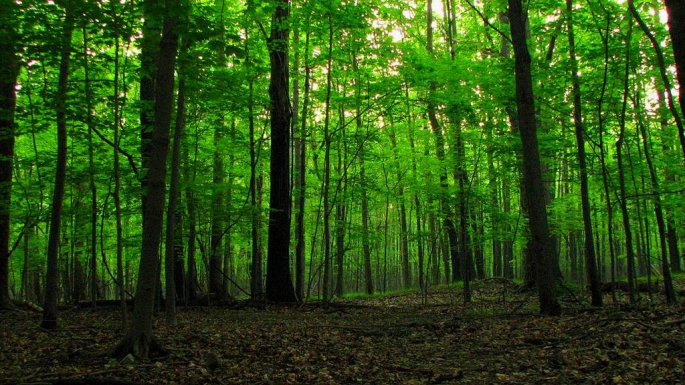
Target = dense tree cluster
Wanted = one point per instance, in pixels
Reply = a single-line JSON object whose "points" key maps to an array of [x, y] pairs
{"points": [[307, 149]]}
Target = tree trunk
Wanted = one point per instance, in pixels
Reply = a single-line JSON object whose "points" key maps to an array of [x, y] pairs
{"points": [[658, 211], [676, 28], [532, 173], [630, 253], [366, 247], [51, 284], [139, 340], [217, 216], [9, 71], [279, 285], [191, 280], [174, 192], [149, 49], [590, 259], [301, 169], [91, 174], [121, 290], [450, 228]]}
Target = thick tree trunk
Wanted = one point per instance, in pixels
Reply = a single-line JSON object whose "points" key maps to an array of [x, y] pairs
{"points": [[532, 173], [139, 340], [279, 285], [9, 71], [51, 284], [149, 48]]}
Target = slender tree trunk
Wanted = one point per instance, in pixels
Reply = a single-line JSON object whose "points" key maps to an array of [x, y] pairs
{"points": [[366, 247], [121, 290], [602, 157], [449, 226], [9, 72], [217, 216], [192, 284], [590, 259], [279, 285], [91, 174], [174, 192], [340, 212], [630, 253], [301, 169], [51, 284], [660, 222], [139, 340], [535, 193], [327, 265]]}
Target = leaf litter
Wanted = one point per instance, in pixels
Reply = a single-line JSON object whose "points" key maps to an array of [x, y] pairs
{"points": [[406, 338]]}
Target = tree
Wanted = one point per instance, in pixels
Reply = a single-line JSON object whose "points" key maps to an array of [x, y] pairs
{"points": [[590, 260], [279, 285], [676, 27], [532, 173], [9, 71], [51, 285], [139, 339]]}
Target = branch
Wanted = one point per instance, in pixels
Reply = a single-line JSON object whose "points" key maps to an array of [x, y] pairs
{"points": [[487, 22], [122, 152]]}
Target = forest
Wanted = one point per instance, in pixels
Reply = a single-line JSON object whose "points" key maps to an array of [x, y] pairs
{"points": [[286, 155]]}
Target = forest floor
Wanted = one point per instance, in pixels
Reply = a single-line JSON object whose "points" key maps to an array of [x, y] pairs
{"points": [[404, 338]]}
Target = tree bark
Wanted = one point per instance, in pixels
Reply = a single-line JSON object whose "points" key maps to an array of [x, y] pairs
{"points": [[174, 192], [139, 340], [51, 285], [121, 290], [590, 259], [676, 28], [9, 71], [279, 285], [532, 173], [301, 169]]}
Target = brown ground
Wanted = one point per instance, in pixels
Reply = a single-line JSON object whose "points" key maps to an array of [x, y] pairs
{"points": [[387, 340]]}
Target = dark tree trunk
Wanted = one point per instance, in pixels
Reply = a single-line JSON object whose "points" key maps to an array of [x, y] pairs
{"points": [[659, 214], [191, 272], [676, 28], [366, 246], [149, 48], [590, 259], [279, 285], [301, 169], [217, 216], [171, 220], [139, 340], [532, 173], [121, 290], [51, 284], [630, 253], [9, 71], [91, 176]]}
